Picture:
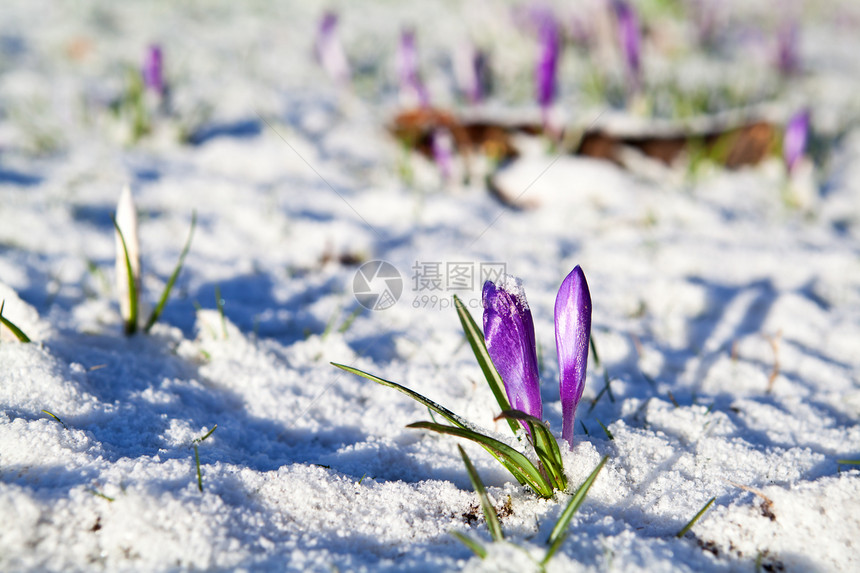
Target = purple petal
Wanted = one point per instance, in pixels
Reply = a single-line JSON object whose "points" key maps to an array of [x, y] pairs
{"points": [[510, 336], [329, 51], [472, 72], [545, 71], [411, 86], [629, 36], [442, 145], [572, 332], [153, 77], [787, 58], [795, 139]]}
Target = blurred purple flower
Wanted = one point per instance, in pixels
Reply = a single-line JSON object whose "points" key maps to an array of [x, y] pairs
{"points": [[442, 145], [152, 72], [795, 139], [411, 87], [547, 64], [510, 336], [328, 50], [631, 42], [787, 59], [572, 335], [472, 72]]}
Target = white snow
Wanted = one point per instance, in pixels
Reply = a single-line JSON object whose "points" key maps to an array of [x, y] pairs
{"points": [[726, 304]]}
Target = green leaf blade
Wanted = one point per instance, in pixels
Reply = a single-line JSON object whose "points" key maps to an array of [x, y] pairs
{"points": [[490, 515], [439, 409], [479, 347], [19, 334], [514, 461], [476, 547], [131, 321], [556, 537], [159, 308], [545, 446], [696, 517]]}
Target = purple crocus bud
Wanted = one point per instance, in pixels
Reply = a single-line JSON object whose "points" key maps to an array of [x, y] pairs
{"points": [[510, 336], [411, 87], [329, 51], [787, 59], [572, 333], [472, 72], [442, 146], [795, 138], [631, 42], [153, 76], [545, 71]]}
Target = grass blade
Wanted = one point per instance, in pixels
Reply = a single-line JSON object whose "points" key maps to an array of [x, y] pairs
{"points": [[476, 340], [19, 334], [441, 410], [156, 313], [131, 319], [696, 517], [515, 462], [57, 418], [476, 547], [206, 435], [490, 515], [605, 430], [434, 407], [199, 473], [197, 455], [556, 537]]}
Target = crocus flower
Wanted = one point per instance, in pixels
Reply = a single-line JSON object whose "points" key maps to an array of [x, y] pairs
{"points": [[510, 336], [629, 36], [572, 334], [153, 75], [329, 51], [472, 72], [126, 220], [795, 138], [442, 145], [547, 64], [787, 59], [411, 87]]}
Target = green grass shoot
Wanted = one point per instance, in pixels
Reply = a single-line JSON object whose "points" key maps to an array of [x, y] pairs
{"points": [[97, 493], [840, 463], [605, 430], [514, 461], [206, 435], [559, 531], [57, 418], [131, 319], [350, 319], [159, 308], [19, 334], [476, 547], [479, 348], [696, 517], [197, 456], [490, 515]]}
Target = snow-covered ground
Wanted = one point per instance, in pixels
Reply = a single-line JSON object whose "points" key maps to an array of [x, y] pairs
{"points": [[726, 303]]}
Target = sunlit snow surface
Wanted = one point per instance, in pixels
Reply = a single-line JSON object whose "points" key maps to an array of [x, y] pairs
{"points": [[708, 291]]}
